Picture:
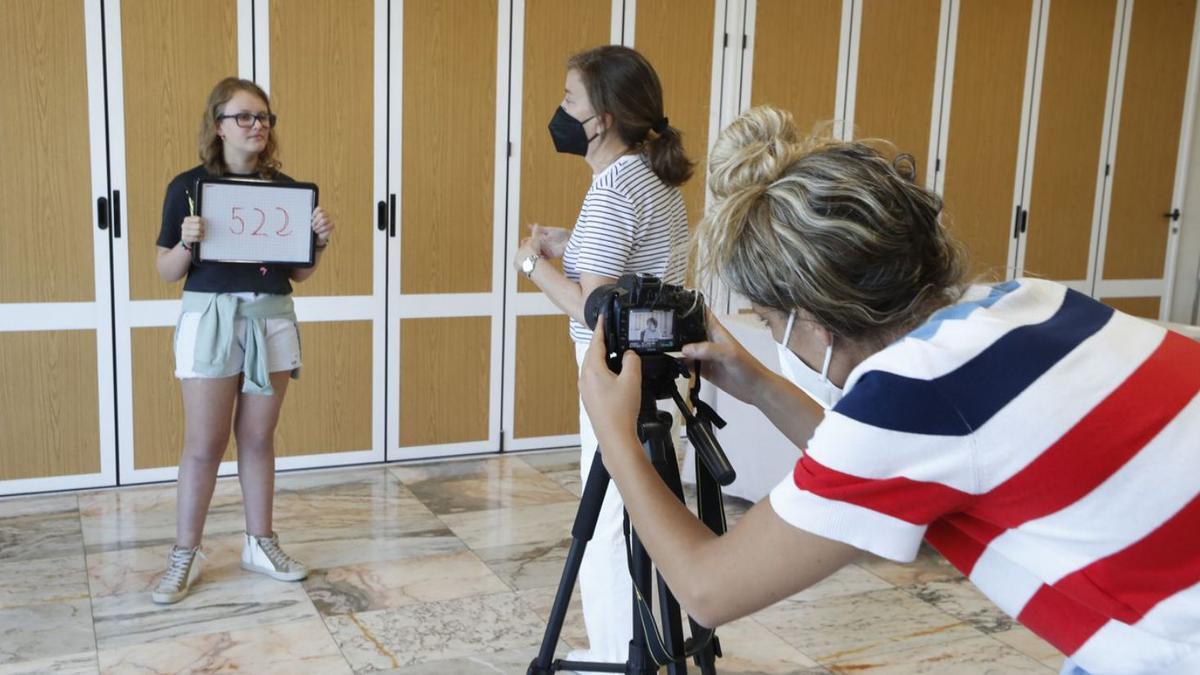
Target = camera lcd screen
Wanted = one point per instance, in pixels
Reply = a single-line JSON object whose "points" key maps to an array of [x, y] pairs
{"points": [[651, 328]]}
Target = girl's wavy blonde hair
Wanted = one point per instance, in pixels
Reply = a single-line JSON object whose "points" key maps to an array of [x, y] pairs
{"points": [[212, 154], [832, 228]]}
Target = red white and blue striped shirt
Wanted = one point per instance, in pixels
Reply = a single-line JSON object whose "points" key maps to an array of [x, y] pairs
{"points": [[1049, 447]]}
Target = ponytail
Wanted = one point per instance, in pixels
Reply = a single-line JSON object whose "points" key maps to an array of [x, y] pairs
{"points": [[664, 152]]}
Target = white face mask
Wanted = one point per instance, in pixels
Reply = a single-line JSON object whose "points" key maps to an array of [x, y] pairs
{"points": [[816, 385]]}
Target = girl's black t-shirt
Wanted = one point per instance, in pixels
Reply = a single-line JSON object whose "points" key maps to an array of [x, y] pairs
{"points": [[216, 277]]}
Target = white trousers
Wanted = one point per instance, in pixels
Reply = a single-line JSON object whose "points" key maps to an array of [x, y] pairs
{"points": [[604, 584]]}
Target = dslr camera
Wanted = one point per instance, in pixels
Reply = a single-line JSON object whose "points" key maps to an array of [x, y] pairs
{"points": [[646, 315]]}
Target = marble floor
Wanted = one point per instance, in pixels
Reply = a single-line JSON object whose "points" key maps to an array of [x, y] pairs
{"points": [[448, 567]]}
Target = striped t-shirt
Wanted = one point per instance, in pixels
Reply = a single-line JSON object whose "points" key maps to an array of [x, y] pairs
{"points": [[630, 222], [1049, 447]]}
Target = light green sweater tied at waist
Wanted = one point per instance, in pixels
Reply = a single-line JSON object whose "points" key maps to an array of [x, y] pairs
{"points": [[214, 335]]}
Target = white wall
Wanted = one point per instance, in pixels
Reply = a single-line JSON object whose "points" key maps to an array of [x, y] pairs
{"points": [[1187, 267]]}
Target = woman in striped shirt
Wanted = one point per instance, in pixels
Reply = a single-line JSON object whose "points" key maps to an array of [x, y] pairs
{"points": [[632, 220]]}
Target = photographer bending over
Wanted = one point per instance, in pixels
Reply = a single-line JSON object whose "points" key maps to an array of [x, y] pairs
{"points": [[1046, 444]]}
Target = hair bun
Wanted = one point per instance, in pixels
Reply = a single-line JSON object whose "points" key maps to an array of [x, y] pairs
{"points": [[753, 151]]}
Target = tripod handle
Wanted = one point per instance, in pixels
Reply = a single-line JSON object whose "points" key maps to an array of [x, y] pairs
{"points": [[701, 436]]}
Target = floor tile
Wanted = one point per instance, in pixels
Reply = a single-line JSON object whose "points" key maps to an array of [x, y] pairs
{"points": [[293, 648], [971, 655], [436, 631], [385, 585], [245, 601], [519, 525], [43, 581], [41, 631], [861, 626], [80, 663], [44, 534], [525, 566]]}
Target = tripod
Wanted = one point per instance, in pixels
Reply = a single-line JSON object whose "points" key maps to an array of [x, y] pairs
{"points": [[648, 651]]}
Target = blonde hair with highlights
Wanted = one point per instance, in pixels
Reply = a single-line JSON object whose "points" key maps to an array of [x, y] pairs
{"points": [[833, 228], [210, 145]]}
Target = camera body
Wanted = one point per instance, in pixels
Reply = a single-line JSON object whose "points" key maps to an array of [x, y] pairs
{"points": [[646, 315]]}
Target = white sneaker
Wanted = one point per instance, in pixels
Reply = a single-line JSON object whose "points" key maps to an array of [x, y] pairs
{"points": [[183, 570], [263, 555]]}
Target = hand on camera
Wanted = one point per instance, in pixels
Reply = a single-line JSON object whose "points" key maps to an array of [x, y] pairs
{"points": [[551, 241], [612, 400], [727, 364]]}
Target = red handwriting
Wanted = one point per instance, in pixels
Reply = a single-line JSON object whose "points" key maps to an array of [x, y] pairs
{"points": [[237, 223]]}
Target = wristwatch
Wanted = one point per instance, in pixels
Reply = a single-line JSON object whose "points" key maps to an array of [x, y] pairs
{"points": [[529, 264]]}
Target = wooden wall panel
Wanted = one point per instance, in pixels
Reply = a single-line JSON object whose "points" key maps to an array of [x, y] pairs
{"points": [[1069, 137], [897, 64], [547, 378], [322, 88], [173, 53], [1160, 42], [676, 36], [329, 408], [449, 132], [444, 380], [46, 249], [48, 405], [981, 159], [158, 400], [1146, 308], [796, 46], [552, 184]]}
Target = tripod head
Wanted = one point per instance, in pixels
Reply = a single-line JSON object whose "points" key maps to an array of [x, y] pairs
{"points": [[659, 373]]}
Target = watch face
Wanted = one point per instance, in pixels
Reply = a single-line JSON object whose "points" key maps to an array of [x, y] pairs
{"points": [[527, 265]]}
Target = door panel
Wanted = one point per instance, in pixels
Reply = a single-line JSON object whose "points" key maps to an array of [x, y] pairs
{"points": [[676, 37], [1143, 180], [1070, 135], [173, 53], [447, 213], [897, 65], [547, 395], [56, 409], [49, 424], [324, 57], [444, 380], [981, 156], [1147, 308], [330, 408], [796, 49], [44, 118], [541, 389], [552, 184]]}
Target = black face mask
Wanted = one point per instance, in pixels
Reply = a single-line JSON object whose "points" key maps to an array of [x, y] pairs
{"points": [[568, 134]]}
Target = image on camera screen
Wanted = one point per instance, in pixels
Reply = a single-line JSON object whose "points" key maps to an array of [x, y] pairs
{"points": [[650, 328]]}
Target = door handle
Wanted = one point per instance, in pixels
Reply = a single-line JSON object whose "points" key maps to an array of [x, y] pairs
{"points": [[392, 215], [116, 219], [381, 215], [1173, 215], [102, 213]]}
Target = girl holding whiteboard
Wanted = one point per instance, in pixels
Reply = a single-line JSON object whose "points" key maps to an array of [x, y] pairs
{"points": [[236, 344]]}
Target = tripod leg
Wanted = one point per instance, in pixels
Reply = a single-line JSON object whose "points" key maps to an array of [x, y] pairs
{"points": [[581, 533]]}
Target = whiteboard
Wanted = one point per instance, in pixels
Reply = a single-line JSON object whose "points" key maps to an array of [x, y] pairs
{"points": [[256, 221]]}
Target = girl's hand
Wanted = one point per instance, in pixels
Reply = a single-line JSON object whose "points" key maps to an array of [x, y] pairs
{"points": [[612, 400], [322, 226], [727, 364], [192, 230], [551, 241]]}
